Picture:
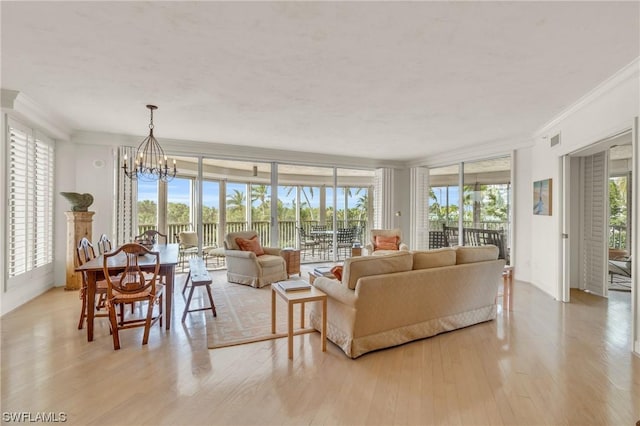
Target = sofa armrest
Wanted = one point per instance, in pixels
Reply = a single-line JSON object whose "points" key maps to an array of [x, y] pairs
{"points": [[272, 250], [240, 254], [368, 248], [336, 290]]}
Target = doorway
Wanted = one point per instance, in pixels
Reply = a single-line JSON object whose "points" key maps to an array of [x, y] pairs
{"points": [[596, 215]]}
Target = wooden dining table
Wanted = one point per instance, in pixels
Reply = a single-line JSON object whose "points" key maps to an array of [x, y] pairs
{"points": [[94, 269]]}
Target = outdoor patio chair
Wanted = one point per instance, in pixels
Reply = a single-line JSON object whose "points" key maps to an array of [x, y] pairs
{"points": [[188, 246], [306, 242], [620, 267]]}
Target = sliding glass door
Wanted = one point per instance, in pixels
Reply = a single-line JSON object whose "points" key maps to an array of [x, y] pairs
{"points": [[485, 197]]}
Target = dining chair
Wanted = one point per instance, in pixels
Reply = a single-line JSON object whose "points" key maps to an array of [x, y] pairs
{"points": [[153, 236], [104, 244], [84, 253], [130, 286]]}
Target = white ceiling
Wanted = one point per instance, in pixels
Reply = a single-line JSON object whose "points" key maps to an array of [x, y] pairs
{"points": [[384, 80]]}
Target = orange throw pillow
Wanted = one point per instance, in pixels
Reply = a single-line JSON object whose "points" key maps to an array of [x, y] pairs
{"points": [[337, 272], [252, 244], [386, 243]]}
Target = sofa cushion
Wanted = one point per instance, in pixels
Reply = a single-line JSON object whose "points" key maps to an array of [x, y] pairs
{"points": [[386, 242], [364, 266], [468, 254], [269, 260], [434, 258], [250, 244]]}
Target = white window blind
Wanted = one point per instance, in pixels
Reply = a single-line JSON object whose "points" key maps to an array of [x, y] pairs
{"points": [[419, 201], [383, 198], [30, 193]]}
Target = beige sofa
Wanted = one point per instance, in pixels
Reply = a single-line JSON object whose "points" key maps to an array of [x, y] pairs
{"points": [[384, 301]]}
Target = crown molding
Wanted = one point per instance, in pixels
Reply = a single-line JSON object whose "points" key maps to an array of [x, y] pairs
{"points": [[22, 107], [628, 72], [478, 151], [236, 152]]}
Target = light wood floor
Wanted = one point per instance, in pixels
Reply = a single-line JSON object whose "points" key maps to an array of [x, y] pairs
{"points": [[542, 363]]}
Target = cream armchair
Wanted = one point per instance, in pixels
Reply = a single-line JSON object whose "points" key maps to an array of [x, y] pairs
{"points": [[244, 267], [373, 249]]}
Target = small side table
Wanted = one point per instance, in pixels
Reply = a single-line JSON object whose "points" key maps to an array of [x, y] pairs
{"points": [[301, 297], [356, 251], [292, 259]]}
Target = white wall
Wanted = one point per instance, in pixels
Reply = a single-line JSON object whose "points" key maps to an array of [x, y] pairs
{"points": [[522, 238], [608, 109], [401, 202], [604, 112], [76, 172]]}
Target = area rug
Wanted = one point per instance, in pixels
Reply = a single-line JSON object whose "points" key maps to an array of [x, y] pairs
{"points": [[244, 314]]}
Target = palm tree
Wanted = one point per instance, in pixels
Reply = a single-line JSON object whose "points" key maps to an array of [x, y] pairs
{"points": [[236, 204], [303, 191], [362, 204], [260, 193]]}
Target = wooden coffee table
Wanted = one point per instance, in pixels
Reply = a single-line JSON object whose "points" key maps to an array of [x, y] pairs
{"points": [[299, 297]]}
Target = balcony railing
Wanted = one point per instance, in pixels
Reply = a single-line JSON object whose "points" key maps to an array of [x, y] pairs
{"points": [[287, 229], [618, 236]]}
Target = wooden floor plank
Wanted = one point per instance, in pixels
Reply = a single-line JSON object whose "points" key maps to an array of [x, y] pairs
{"points": [[543, 362]]}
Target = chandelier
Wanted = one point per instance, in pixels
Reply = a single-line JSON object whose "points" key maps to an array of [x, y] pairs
{"points": [[150, 163]]}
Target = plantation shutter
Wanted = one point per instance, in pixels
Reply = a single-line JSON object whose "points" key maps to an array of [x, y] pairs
{"points": [[419, 208], [595, 220], [383, 198], [30, 199]]}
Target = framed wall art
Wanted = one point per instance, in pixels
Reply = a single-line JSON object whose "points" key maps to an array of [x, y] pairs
{"points": [[542, 196]]}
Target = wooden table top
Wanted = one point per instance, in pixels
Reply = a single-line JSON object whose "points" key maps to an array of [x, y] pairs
{"points": [[168, 257]]}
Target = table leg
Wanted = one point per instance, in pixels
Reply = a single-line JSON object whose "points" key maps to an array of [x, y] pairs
{"points": [[273, 310], [507, 282], [302, 315], [169, 274], [91, 303], [290, 329], [323, 333]]}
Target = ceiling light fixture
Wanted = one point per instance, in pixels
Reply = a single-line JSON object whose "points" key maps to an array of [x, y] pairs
{"points": [[150, 163]]}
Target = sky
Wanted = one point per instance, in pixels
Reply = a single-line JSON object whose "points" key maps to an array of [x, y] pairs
{"points": [[178, 192]]}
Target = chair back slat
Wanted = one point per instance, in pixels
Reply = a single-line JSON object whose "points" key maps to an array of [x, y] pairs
{"points": [[104, 244], [132, 279], [152, 236], [85, 251]]}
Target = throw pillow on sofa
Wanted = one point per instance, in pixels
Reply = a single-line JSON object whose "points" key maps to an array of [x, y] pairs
{"points": [[252, 244], [337, 272], [386, 243]]}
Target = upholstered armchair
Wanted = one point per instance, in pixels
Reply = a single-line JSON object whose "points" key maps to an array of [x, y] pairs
{"points": [[385, 241], [245, 265]]}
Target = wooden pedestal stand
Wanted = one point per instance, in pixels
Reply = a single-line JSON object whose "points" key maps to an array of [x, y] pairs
{"points": [[79, 225]]}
